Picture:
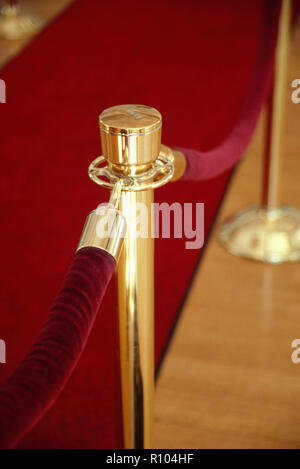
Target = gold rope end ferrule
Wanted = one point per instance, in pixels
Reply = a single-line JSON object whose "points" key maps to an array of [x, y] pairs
{"points": [[178, 159], [105, 228]]}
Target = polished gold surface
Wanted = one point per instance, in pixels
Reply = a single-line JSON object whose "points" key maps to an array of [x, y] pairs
{"points": [[105, 228], [178, 159], [269, 233], [159, 174], [130, 136], [131, 146], [136, 321], [16, 24], [179, 165], [276, 113]]}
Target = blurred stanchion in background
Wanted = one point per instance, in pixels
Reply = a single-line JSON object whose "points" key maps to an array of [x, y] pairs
{"points": [[16, 24], [269, 232]]}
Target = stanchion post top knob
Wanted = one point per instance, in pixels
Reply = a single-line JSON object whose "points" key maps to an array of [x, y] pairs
{"points": [[131, 135]]}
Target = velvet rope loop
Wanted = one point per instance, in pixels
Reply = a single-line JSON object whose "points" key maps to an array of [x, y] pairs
{"points": [[207, 165], [36, 383]]}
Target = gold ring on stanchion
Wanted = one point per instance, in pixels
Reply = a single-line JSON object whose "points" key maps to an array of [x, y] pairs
{"points": [[161, 173]]}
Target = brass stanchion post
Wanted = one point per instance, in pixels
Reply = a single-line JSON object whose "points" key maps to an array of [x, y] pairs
{"points": [[270, 232], [136, 319], [131, 144]]}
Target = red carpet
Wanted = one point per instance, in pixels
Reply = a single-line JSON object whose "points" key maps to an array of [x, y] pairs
{"points": [[192, 61]]}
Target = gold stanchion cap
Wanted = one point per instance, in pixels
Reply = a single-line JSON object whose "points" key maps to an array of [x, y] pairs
{"points": [[130, 134]]}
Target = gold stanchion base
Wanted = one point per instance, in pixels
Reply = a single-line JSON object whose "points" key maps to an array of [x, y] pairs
{"points": [[267, 235], [17, 25]]}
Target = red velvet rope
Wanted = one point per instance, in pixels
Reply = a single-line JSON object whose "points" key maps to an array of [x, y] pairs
{"points": [[207, 165], [36, 383]]}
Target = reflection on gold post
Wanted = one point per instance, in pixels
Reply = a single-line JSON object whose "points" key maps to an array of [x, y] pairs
{"points": [[136, 321], [15, 24], [131, 144], [270, 232]]}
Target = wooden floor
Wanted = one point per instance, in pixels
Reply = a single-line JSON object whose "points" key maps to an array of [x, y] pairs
{"points": [[228, 380]]}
